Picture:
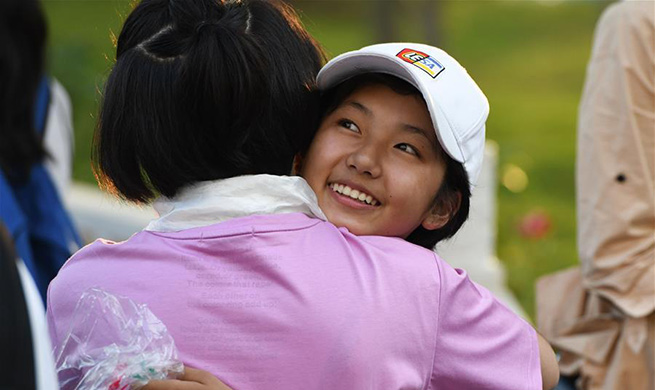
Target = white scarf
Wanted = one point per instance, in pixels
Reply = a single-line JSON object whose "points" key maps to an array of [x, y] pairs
{"points": [[209, 202]]}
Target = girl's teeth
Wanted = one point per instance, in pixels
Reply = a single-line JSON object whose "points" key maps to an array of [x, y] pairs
{"points": [[354, 194]]}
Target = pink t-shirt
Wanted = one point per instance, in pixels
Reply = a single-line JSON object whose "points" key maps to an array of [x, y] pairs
{"points": [[286, 301]]}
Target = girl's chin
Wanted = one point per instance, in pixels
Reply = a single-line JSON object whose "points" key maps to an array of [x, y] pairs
{"points": [[358, 228]]}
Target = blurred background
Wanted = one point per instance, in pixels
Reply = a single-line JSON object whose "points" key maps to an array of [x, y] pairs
{"points": [[529, 57]]}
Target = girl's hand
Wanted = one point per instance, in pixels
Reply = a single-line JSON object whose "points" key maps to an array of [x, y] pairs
{"points": [[192, 379]]}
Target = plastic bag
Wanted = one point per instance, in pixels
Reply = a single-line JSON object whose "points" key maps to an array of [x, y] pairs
{"points": [[114, 344]]}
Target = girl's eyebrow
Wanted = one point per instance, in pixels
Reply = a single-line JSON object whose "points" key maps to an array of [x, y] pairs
{"points": [[418, 130], [359, 106]]}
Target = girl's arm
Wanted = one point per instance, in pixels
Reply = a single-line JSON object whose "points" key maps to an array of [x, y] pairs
{"points": [[192, 379], [549, 368]]}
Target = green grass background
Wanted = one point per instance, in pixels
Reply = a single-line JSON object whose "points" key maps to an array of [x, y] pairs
{"points": [[528, 56]]}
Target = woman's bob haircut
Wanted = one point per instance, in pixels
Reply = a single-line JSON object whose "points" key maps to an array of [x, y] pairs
{"points": [[205, 90]]}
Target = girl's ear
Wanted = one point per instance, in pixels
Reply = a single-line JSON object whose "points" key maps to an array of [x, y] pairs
{"points": [[296, 167], [442, 212]]}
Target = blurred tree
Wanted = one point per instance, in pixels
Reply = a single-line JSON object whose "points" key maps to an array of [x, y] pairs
{"points": [[384, 10], [430, 12], [424, 13]]}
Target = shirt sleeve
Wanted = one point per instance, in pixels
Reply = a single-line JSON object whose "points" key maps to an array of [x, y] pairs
{"points": [[480, 343]]}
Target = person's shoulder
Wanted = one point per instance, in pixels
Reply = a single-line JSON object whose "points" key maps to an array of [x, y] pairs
{"points": [[396, 244], [91, 264], [93, 246], [101, 249], [633, 9], [635, 16], [396, 248]]}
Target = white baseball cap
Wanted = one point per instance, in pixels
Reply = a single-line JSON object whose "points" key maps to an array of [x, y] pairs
{"points": [[457, 106]]}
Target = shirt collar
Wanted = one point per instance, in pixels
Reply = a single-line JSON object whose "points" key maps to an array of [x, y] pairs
{"points": [[210, 202]]}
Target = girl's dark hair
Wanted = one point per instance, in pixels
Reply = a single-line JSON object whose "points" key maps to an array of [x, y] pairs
{"points": [[455, 187], [204, 90], [22, 42]]}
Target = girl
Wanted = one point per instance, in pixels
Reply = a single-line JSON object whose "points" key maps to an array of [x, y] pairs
{"points": [[378, 134], [252, 282]]}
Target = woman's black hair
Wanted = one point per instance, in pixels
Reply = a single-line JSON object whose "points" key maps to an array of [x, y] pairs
{"points": [[454, 193], [16, 345], [22, 46], [205, 90]]}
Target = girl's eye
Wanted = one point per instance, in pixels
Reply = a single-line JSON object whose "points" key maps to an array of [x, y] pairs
{"points": [[349, 125], [408, 148]]}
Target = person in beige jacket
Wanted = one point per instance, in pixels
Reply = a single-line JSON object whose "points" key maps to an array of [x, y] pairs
{"points": [[601, 315]]}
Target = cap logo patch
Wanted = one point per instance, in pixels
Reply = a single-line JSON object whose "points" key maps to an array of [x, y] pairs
{"points": [[422, 61]]}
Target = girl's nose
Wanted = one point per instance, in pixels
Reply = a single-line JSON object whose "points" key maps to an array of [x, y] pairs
{"points": [[365, 161]]}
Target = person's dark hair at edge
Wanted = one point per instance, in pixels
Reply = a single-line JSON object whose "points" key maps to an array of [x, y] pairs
{"points": [[16, 353], [22, 46], [455, 180], [204, 90]]}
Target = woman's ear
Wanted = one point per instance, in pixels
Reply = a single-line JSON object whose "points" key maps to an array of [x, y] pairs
{"points": [[442, 211], [296, 167]]}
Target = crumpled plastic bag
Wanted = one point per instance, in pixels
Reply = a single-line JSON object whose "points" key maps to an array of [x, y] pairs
{"points": [[114, 344]]}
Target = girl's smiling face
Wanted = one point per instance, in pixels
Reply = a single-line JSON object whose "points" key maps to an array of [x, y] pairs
{"points": [[376, 165]]}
